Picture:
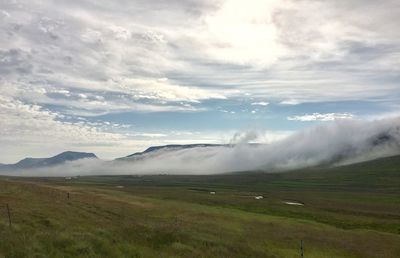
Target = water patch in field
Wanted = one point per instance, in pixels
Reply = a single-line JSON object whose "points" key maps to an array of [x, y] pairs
{"points": [[293, 203]]}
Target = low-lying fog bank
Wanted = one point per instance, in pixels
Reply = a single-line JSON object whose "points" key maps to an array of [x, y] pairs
{"points": [[334, 143]]}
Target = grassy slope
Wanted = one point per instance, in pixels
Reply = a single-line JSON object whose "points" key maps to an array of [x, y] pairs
{"points": [[349, 211]]}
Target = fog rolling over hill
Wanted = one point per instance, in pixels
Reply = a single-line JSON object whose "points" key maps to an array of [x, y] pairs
{"points": [[331, 144]]}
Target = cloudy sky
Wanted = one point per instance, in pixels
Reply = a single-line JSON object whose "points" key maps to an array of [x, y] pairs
{"points": [[114, 77]]}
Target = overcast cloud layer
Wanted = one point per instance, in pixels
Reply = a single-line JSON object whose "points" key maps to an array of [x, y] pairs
{"points": [[114, 77]]}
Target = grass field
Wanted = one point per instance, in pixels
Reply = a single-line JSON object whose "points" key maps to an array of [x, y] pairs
{"points": [[351, 211]]}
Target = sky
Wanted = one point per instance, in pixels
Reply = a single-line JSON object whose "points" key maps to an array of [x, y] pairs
{"points": [[115, 77]]}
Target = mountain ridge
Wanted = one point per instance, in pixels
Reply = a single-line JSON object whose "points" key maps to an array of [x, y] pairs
{"points": [[58, 159], [171, 147]]}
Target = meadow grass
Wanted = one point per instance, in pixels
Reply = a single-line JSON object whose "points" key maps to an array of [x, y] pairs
{"points": [[103, 222], [176, 216]]}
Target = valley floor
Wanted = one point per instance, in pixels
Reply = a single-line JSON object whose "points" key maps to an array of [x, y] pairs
{"points": [[163, 216]]}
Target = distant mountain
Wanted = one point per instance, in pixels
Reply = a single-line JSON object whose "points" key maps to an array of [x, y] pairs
{"points": [[170, 147], [59, 159]]}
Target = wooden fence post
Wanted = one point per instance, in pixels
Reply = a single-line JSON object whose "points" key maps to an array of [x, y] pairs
{"points": [[9, 214], [301, 249]]}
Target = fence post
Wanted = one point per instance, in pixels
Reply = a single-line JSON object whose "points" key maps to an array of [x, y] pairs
{"points": [[301, 249], [9, 215]]}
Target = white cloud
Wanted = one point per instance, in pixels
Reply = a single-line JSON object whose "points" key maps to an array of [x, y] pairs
{"points": [[31, 120], [248, 36], [151, 135], [321, 117], [162, 89], [289, 102], [83, 96], [261, 103]]}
